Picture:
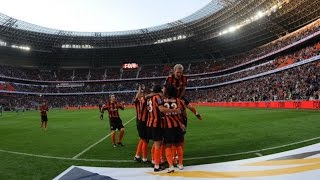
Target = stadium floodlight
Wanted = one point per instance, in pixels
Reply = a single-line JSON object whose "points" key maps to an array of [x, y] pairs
{"points": [[274, 8], [232, 29], [169, 39], [25, 48], [2, 43], [255, 17], [260, 14]]}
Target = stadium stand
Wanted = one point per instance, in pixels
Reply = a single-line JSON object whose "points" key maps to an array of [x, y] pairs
{"points": [[216, 65]]}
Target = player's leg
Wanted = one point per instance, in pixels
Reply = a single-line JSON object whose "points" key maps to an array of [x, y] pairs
{"points": [[169, 157], [113, 132], [137, 157], [144, 149], [145, 142], [120, 127], [191, 108], [101, 115], [157, 156], [45, 122], [121, 134], [163, 153], [113, 138], [180, 147], [45, 125], [157, 141], [169, 140], [180, 156], [152, 154], [42, 124]]}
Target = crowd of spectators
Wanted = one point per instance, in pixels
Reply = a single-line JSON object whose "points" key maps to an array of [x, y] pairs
{"points": [[270, 47], [13, 101], [302, 82], [297, 56]]}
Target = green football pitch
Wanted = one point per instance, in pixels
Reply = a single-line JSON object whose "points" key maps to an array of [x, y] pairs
{"points": [[79, 138]]}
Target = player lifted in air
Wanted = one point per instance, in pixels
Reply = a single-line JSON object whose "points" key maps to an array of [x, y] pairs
{"points": [[112, 106], [179, 81], [44, 118]]}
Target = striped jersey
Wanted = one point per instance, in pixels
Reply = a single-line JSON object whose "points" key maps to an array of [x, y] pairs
{"points": [[172, 120], [154, 114], [141, 109], [112, 108], [179, 84]]}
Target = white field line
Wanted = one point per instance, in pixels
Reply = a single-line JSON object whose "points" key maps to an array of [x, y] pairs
{"points": [[253, 151], [99, 141], [62, 158], [121, 161]]}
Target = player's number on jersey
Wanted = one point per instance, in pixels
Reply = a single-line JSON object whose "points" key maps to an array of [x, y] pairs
{"points": [[149, 106], [172, 106]]}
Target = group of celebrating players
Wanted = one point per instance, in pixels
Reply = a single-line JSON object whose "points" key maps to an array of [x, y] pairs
{"points": [[161, 117]]}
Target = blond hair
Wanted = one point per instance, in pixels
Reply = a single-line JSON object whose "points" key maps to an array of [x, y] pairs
{"points": [[178, 66]]}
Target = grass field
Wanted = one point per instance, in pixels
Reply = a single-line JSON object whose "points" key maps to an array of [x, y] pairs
{"points": [[27, 152]]}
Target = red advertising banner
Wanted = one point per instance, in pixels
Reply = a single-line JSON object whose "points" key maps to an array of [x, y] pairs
{"points": [[267, 104]]}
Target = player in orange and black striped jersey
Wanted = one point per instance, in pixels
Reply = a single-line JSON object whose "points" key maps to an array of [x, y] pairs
{"points": [[155, 123], [179, 81], [141, 113], [112, 107], [44, 118], [173, 128]]}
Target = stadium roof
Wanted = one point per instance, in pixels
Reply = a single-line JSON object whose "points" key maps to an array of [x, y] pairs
{"points": [[211, 8], [212, 34]]}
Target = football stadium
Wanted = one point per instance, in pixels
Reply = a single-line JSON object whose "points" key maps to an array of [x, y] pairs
{"points": [[230, 91]]}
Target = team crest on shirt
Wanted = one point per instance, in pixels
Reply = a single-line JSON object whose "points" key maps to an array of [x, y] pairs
{"points": [[159, 100]]}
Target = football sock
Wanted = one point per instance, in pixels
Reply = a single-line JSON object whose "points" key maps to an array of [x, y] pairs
{"points": [[121, 136], [169, 156], [139, 148]]}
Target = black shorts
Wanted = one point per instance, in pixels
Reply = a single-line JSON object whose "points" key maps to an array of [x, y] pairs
{"points": [[44, 118], [186, 101], [173, 135], [115, 123], [142, 129], [155, 134]]}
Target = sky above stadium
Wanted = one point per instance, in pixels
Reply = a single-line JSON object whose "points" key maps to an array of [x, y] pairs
{"points": [[100, 15]]}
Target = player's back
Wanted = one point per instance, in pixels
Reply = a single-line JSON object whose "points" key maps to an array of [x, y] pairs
{"points": [[173, 119]]}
